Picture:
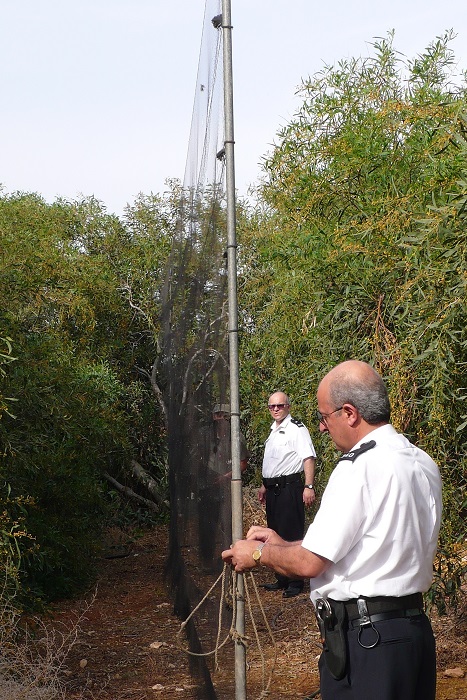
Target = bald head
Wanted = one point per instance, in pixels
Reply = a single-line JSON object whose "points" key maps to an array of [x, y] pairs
{"points": [[357, 383]]}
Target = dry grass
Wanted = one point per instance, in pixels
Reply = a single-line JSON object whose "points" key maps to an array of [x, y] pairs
{"points": [[33, 655]]}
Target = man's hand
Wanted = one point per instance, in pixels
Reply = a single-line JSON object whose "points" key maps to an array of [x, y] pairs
{"points": [[262, 494], [264, 534], [308, 496], [240, 555], [287, 558]]}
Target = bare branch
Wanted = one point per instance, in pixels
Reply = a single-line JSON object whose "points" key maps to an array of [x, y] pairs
{"points": [[157, 390], [131, 494], [148, 482]]}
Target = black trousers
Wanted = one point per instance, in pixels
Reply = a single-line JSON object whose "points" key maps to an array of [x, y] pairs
{"points": [[285, 513], [402, 666]]}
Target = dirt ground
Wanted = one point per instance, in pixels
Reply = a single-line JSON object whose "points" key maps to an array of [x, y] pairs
{"points": [[128, 646]]}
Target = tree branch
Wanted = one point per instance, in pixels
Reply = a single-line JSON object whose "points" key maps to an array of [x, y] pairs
{"points": [[131, 494], [144, 478]]}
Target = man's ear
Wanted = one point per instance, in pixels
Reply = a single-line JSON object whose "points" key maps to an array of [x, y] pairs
{"points": [[352, 413]]}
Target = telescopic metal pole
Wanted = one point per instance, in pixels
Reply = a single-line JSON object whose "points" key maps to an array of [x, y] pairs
{"points": [[237, 504]]}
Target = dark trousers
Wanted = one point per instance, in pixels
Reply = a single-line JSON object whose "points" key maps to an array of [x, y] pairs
{"points": [[402, 666], [285, 513]]}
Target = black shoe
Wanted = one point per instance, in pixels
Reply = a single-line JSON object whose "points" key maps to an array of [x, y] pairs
{"points": [[276, 586], [291, 592]]}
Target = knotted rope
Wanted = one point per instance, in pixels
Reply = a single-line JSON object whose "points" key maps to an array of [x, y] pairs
{"points": [[233, 634]]}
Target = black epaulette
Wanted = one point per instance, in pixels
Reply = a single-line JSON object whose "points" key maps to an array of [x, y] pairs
{"points": [[297, 422], [352, 456]]}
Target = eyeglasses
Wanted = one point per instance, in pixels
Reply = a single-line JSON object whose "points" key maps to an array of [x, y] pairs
{"points": [[272, 406], [322, 417]]}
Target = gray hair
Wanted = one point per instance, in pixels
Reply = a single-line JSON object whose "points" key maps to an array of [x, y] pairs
{"points": [[368, 394]]}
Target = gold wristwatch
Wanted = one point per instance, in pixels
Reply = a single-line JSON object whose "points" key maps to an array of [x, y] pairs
{"points": [[257, 553]]}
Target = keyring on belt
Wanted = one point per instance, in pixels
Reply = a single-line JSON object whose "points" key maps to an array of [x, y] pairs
{"points": [[365, 621]]}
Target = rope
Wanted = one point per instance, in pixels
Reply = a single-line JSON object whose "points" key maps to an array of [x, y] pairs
{"points": [[233, 633], [267, 684], [185, 622]]}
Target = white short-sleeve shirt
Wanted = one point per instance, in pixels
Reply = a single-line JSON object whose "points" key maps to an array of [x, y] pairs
{"points": [[288, 444], [378, 521]]}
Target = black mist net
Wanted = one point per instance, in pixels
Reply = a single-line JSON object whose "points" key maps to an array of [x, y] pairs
{"points": [[195, 370]]}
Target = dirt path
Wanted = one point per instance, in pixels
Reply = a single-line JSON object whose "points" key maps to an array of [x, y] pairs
{"points": [[127, 646]]}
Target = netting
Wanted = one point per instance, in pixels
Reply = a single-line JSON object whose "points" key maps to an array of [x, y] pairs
{"points": [[195, 370]]}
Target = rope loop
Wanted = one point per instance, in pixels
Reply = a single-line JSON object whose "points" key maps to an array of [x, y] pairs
{"points": [[229, 591]]}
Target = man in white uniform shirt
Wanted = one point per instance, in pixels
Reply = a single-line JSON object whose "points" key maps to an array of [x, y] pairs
{"points": [[369, 552], [288, 455]]}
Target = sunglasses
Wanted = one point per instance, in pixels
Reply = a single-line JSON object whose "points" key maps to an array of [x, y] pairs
{"points": [[272, 406]]}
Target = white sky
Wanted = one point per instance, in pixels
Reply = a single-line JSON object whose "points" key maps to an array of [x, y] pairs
{"points": [[97, 95]]}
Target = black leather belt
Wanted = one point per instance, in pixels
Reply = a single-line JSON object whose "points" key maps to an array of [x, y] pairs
{"points": [[384, 608], [281, 481]]}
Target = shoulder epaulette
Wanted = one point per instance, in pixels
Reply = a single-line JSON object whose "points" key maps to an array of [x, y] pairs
{"points": [[297, 422], [352, 456]]}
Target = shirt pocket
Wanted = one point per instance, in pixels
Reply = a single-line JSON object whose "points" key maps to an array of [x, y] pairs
{"points": [[279, 447]]}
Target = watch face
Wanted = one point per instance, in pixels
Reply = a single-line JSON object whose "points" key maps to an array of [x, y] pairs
{"points": [[257, 555]]}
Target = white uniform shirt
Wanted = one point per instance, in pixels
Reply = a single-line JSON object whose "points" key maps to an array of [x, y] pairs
{"points": [[378, 522], [288, 444]]}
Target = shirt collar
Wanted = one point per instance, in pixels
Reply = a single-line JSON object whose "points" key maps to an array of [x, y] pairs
{"points": [[377, 432]]}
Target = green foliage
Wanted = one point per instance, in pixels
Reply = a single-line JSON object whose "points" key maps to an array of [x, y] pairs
{"points": [[5, 358], [81, 408], [359, 250], [69, 427], [14, 541]]}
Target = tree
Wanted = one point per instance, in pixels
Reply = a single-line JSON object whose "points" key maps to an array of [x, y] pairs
{"points": [[82, 412], [359, 248]]}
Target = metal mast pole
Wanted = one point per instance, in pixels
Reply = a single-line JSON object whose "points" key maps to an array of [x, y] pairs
{"points": [[237, 504]]}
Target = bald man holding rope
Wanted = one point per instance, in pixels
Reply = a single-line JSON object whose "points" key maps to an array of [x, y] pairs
{"points": [[369, 551]]}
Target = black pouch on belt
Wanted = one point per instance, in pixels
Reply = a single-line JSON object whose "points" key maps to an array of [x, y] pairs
{"points": [[332, 621]]}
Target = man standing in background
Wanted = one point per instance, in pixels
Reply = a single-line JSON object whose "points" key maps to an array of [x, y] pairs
{"points": [[288, 453]]}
